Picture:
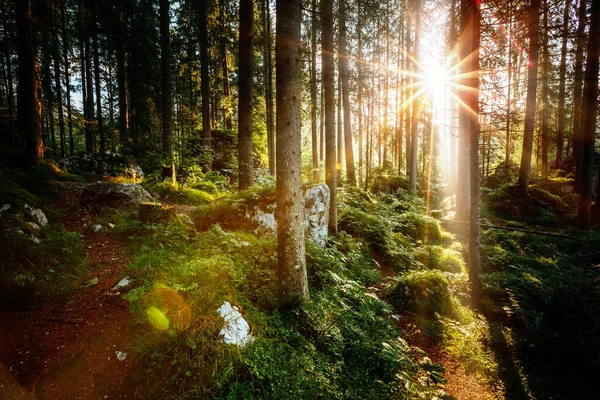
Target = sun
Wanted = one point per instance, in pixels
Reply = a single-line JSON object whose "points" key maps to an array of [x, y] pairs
{"points": [[435, 81]]}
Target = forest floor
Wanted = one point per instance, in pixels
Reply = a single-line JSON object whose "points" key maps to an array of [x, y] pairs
{"points": [[69, 350]]}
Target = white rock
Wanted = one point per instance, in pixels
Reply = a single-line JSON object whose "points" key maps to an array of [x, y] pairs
{"points": [[97, 228], [122, 283], [236, 330], [111, 225], [38, 214], [121, 356], [34, 226], [5, 207]]}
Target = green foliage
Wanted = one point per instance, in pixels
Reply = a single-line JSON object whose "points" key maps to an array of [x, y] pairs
{"points": [[425, 293], [31, 272], [184, 195], [443, 259], [389, 184], [230, 211], [420, 227]]}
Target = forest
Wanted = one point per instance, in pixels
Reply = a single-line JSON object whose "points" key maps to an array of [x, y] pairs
{"points": [[299, 199]]}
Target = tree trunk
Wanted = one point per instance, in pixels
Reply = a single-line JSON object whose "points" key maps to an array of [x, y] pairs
{"points": [[560, 132], [166, 91], [464, 114], [224, 67], [29, 117], [205, 83], [545, 93], [291, 261], [61, 119], [508, 99], [10, 93], [350, 172], [246, 61], [329, 88], [121, 80], [577, 91], [340, 132], [474, 254], [98, 81], [532, 76], [313, 94], [67, 62], [269, 88], [414, 137], [588, 120], [360, 97]]}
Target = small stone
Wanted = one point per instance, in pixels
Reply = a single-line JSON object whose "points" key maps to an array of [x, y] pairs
{"points": [[121, 356], [97, 228], [122, 283], [92, 282]]}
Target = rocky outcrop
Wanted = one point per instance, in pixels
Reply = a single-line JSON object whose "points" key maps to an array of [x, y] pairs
{"points": [[316, 214], [126, 197], [105, 164]]}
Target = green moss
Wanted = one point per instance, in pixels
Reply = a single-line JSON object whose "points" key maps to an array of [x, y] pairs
{"points": [[420, 227], [443, 259], [425, 293]]}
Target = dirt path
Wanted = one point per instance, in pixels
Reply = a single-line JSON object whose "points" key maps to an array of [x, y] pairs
{"points": [[69, 350]]}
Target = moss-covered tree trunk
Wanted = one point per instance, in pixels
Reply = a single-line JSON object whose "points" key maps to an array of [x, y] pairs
{"points": [[291, 262]]}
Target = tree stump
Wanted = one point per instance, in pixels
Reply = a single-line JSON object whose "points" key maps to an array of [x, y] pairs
{"points": [[155, 212]]}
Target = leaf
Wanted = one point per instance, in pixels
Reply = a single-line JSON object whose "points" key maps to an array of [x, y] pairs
{"points": [[191, 343]]}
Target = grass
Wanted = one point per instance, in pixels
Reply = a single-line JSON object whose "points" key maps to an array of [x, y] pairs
{"points": [[341, 344]]}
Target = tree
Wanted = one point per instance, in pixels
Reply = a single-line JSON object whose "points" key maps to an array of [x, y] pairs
{"points": [[121, 81], [577, 91], [29, 117], [269, 87], [589, 111], [351, 174], [291, 262], [473, 103], [545, 93], [58, 85], [204, 79], [560, 130], [414, 137], [328, 86], [313, 94], [166, 91], [464, 117], [532, 76], [246, 61]]}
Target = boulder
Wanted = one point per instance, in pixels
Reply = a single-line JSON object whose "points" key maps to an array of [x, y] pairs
{"points": [[126, 197], [105, 164], [316, 214]]}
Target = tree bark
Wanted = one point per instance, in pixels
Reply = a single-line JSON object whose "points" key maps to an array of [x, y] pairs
{"points": [[166, 91], [121, 79], [508, 98], [545, 93], [246, 61], [589, 111], [57, 82], [205, 82], [349, 152], [67, 62], [269, 88], [560, 132], [532, 76], [474, 253], [291, 262], [328, 84], [360, 97], [414, 137], [29, 117], [225, 67], [577, 91], [313, 94], [98, 82]]}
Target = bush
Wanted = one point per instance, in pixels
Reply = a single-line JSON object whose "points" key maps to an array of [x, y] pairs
{"points": [[420, 227], [425, 293], [443, 259], [32, 272]]}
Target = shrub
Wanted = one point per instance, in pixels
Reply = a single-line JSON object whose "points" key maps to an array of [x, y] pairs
{"points": [[425, 293], [443, 259], [420, 227]]}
